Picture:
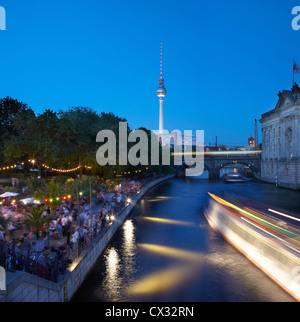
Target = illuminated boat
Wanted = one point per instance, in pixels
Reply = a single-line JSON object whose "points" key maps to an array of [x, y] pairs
{"points": [[271, 247], [246, 172], [233, 177]]}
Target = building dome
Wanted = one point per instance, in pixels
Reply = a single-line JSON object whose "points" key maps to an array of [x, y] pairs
{"points": [[161, 92]]}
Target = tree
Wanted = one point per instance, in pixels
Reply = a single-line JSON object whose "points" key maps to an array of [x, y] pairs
{"points": [[83, 122], [45, 139], [10, 109], [52, 193], [87, 123], [81, 186], [36, 220], [33, 185], [64, 140], [13, 116], [159, 168]]}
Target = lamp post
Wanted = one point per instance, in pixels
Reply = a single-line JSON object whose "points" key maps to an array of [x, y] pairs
{"points": [[77, 200], [90, 195]]}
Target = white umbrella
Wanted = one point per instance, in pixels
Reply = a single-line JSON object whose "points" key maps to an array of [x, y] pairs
{"points": [[27, 200], [8, 194]]}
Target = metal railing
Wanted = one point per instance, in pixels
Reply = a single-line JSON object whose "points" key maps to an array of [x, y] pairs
{"points": [[21, 257], [50, 265]]}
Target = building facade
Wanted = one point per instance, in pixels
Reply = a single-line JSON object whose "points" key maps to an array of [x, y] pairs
{"points": [[251, 142], [280, 162]]}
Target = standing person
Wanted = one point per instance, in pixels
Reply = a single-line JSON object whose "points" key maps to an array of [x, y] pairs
{"points": [[81, 219], [11, 228], [1, 236], [41, 263], [94, 224], [64, 223], [59, 227], [47, 241], [68, 231], [75, 237], [74, 215], [86, 218], [70, 217]]}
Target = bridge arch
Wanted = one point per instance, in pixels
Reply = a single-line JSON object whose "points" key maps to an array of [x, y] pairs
{"points": [[252, 167], [214, 166], [214, 163]]}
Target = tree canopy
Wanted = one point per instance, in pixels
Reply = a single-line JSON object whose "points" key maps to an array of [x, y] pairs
{"points": [[63, 140]]}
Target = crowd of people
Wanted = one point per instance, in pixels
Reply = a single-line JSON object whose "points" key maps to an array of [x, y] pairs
{"points": [[74, 224], [14, 214]]}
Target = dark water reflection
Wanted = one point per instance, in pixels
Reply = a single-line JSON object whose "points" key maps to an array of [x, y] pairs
{"points": [[166, 251]]}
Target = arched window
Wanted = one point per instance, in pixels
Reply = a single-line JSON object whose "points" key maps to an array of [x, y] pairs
{"points": [[291, 149], [289, 142]]}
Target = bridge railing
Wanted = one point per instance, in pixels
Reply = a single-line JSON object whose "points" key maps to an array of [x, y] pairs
{"points": [[223, 154]]}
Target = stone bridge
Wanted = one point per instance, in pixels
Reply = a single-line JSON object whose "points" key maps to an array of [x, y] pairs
{"points": [[215, 161]]}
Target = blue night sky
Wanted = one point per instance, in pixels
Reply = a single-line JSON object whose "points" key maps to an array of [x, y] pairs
{"points": [[224, 61]]}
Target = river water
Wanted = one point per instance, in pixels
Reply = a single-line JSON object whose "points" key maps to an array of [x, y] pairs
{"points": [[166, 251]]}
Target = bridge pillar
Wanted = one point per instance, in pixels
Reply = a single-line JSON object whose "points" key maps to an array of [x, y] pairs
{"points": [[214, 174], [210, 166], [180, 171]]}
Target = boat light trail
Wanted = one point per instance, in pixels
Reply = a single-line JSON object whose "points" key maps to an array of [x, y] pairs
{"points": [[270, 245], [223, 219], [246, 213], [263, 230], [284, 215]]}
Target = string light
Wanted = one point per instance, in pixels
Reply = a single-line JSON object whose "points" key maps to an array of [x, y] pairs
{"points": [[66, 170], [60, 170], [8, 167], [47, 167], [47, 200]]}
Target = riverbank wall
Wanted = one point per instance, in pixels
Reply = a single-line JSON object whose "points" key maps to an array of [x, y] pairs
{"points": [[24, 287]]}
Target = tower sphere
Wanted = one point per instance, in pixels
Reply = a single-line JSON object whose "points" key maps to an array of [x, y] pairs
{"points": [[161, 92]]}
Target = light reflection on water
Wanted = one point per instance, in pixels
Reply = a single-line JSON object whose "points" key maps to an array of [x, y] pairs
{"points": [[112, 280], [115, 274], [163, 280], [129, 249], [154, 260]]}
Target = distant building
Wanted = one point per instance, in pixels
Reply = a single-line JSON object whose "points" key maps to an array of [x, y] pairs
{"points": [[251, 142], [174, 138], [281, 141]]}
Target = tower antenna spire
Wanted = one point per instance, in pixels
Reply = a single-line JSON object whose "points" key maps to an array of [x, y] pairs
{"points": [[161, 54], [161, 93]]}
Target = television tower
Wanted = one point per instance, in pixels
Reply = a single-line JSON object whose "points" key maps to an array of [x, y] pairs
{"points": [[161, 93]]}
